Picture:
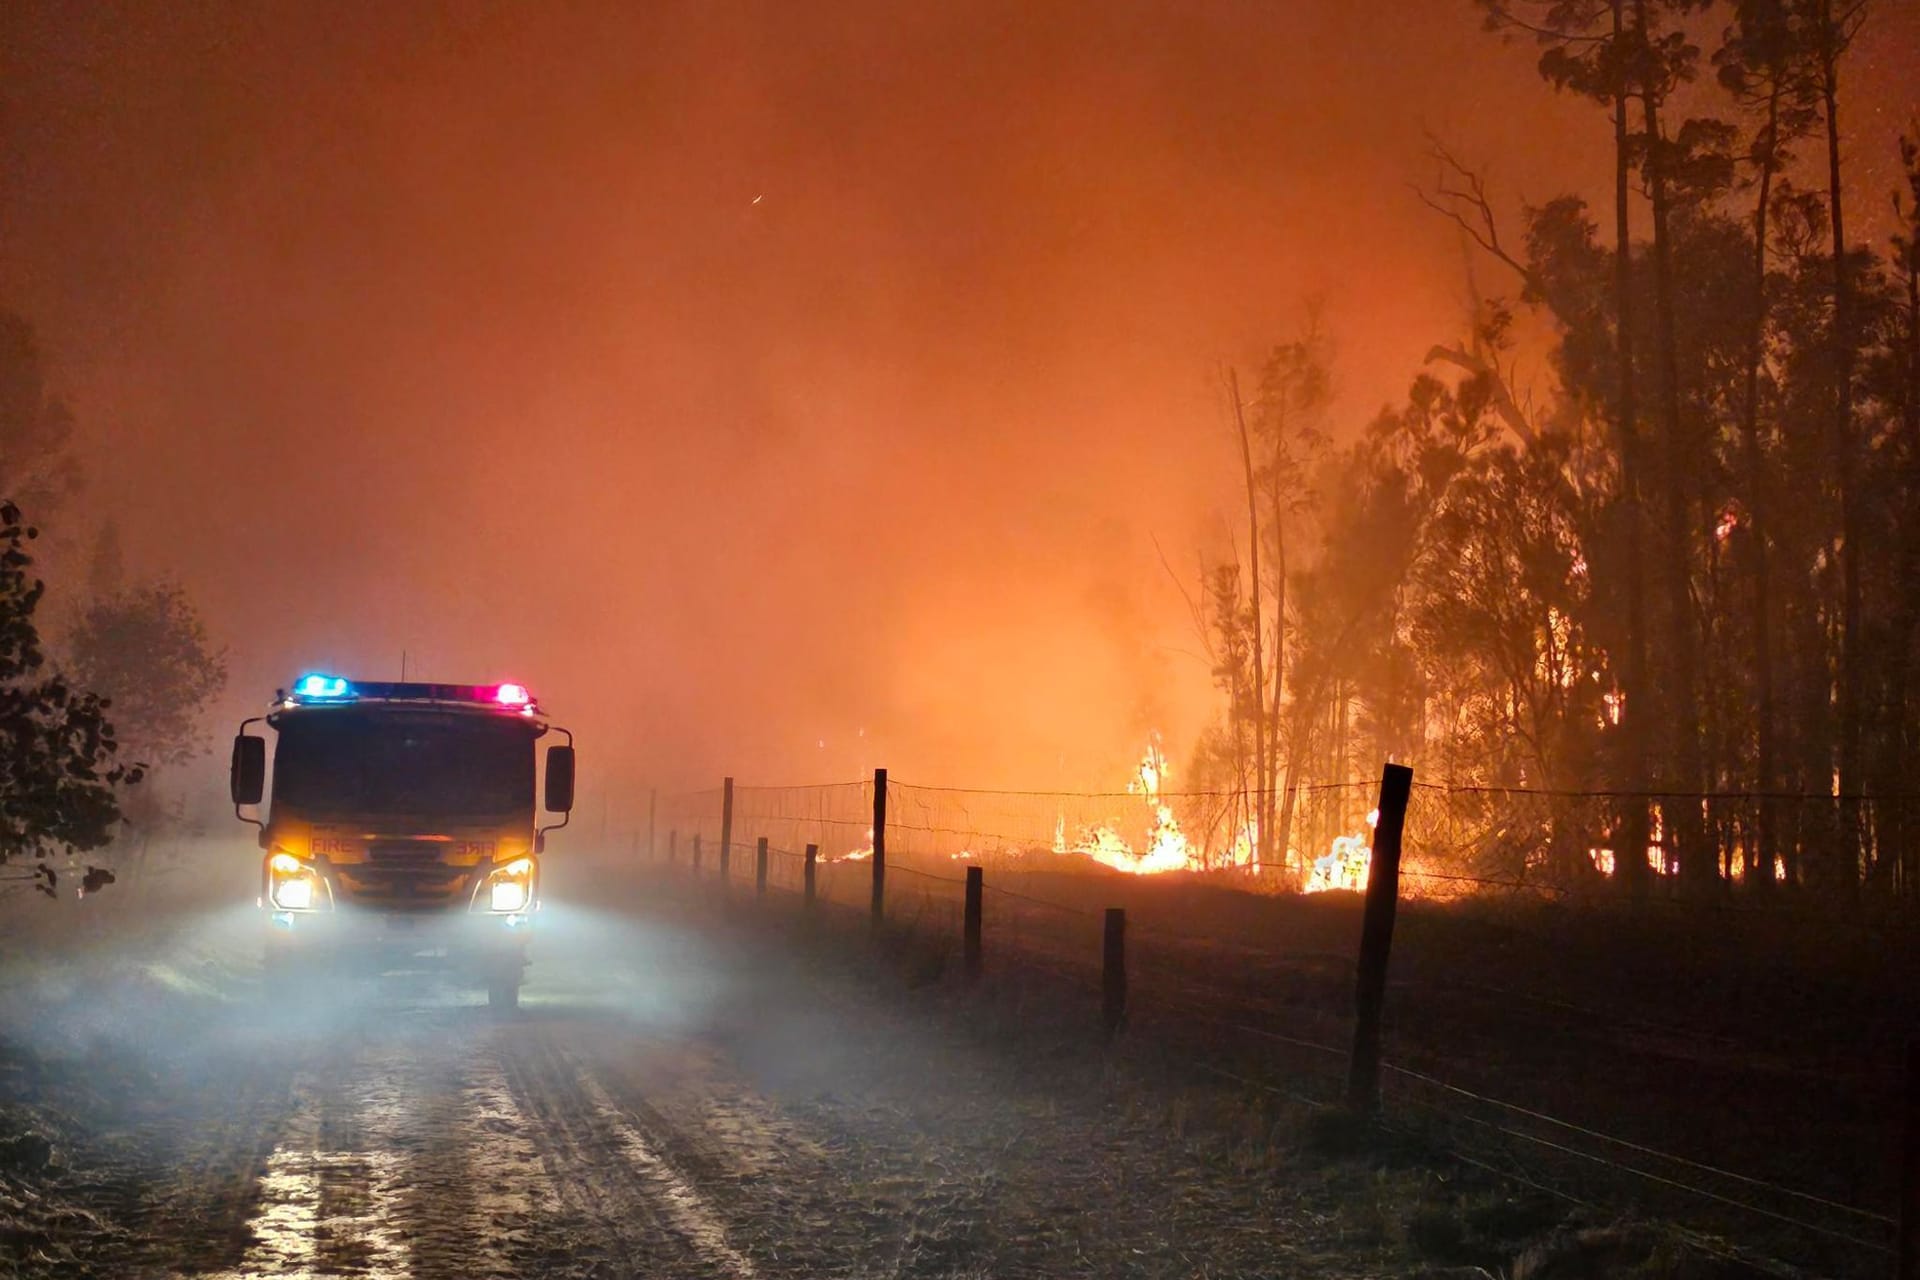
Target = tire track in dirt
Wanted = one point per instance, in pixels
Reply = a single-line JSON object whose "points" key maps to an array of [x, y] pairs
{"points": [[401, 1156], [513, 1195], [200, 1210], [769, 1175], [324, 1199], [648, 1217]]}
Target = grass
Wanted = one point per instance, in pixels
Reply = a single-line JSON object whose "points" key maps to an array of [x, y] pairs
{"points": [[1662, 1026]]}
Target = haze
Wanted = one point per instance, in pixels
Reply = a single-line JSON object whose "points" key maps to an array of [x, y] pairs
{"points": [[778, 389]]}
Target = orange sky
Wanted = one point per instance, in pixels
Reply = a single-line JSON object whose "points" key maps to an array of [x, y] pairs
{"points": [[742, 379]]}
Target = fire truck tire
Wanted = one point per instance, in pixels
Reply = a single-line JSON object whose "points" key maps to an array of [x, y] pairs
{"points": [[503, 994]]}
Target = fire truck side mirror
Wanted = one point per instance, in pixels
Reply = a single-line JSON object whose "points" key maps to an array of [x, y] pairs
{"points": [[559, 779], [247, 779]]}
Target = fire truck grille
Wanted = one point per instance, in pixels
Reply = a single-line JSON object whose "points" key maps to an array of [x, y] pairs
{"points": [[403, 874]]}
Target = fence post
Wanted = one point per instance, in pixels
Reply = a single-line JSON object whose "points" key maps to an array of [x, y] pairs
{"points": [[1113, 971], [1376, 938], [760, 868], [813, 862], [726, 829], [696, 853], [653, 805], [673, 845], [970, 932], [879, 907], [1907, 1266]]}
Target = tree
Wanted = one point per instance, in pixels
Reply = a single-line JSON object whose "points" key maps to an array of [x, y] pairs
{"points": [[1833, 29], [59, 763], [1589, 50], [146, 649], [1762, 64]]}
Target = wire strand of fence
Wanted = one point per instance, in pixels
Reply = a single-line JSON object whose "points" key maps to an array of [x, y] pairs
{"points": [[1453, 1151], [1259, 1032], [1675, 1183], [1032, 959], [1038, 902], [1808, 797], [1695, 1240], [1592, 1016], [1510, 1175], [1530, 886], [1135, 795], [925, 875], [1245, 950], [1250, 1083], [1641, 1148]]}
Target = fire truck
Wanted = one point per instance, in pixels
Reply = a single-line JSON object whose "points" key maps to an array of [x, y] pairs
{"points": [[401, 828]]}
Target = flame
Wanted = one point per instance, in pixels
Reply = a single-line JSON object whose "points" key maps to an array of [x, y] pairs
{"points": [[860, 854], [1245, 845], [1604, 861], [1346, 864], [1167, 848]]}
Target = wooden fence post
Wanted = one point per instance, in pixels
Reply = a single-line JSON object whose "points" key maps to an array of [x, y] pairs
{"points": [[970, 933], [1376, 938], [673, 845], [879, 907], [1907, 1266], [760, 868], [726, 830], [653, 805], [813, 862], [1113, 971], [696, 853]]}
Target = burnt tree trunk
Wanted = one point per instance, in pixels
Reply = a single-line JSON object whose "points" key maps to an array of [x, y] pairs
{"points": [[1843, 459], [1683, 820], [1630, 863], [1760, 852]]}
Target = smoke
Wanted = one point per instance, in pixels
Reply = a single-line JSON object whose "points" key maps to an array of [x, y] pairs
{"points": [[777, 390]]}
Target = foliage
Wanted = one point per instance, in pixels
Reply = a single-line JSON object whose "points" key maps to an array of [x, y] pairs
{"points": [[58, 754], [1460, 586], [146, 648]]}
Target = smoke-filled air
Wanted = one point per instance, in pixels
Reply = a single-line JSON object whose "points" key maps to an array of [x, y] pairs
{"points": [[961, 639]]}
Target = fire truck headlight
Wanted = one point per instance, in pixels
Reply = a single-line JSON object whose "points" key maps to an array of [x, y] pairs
{"points": [[510, 888], [294, 886]]}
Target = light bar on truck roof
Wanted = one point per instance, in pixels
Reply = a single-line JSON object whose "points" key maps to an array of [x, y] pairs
{"points": [[321, 688]]}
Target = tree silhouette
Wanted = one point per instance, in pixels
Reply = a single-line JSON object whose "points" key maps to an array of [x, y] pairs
{"points": [[58, 755]]}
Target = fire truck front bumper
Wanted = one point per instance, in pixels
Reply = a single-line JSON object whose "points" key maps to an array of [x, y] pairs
{"points": [[483, 945]]}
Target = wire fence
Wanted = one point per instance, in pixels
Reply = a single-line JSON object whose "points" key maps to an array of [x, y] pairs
{"points": [[1542, 1027], [1834, 856]]}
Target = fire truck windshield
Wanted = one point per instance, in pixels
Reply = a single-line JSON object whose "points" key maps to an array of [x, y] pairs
{"points": [[350, 762]]}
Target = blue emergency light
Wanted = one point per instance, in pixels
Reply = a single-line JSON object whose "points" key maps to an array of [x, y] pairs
{"points": [[316, 685]]}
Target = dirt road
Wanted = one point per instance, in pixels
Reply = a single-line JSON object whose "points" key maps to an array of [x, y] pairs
{"points": [[671, 1100]]}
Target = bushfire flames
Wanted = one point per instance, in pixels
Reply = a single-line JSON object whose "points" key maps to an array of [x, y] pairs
{"points": [[1169, 849], [1346, 865]]}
